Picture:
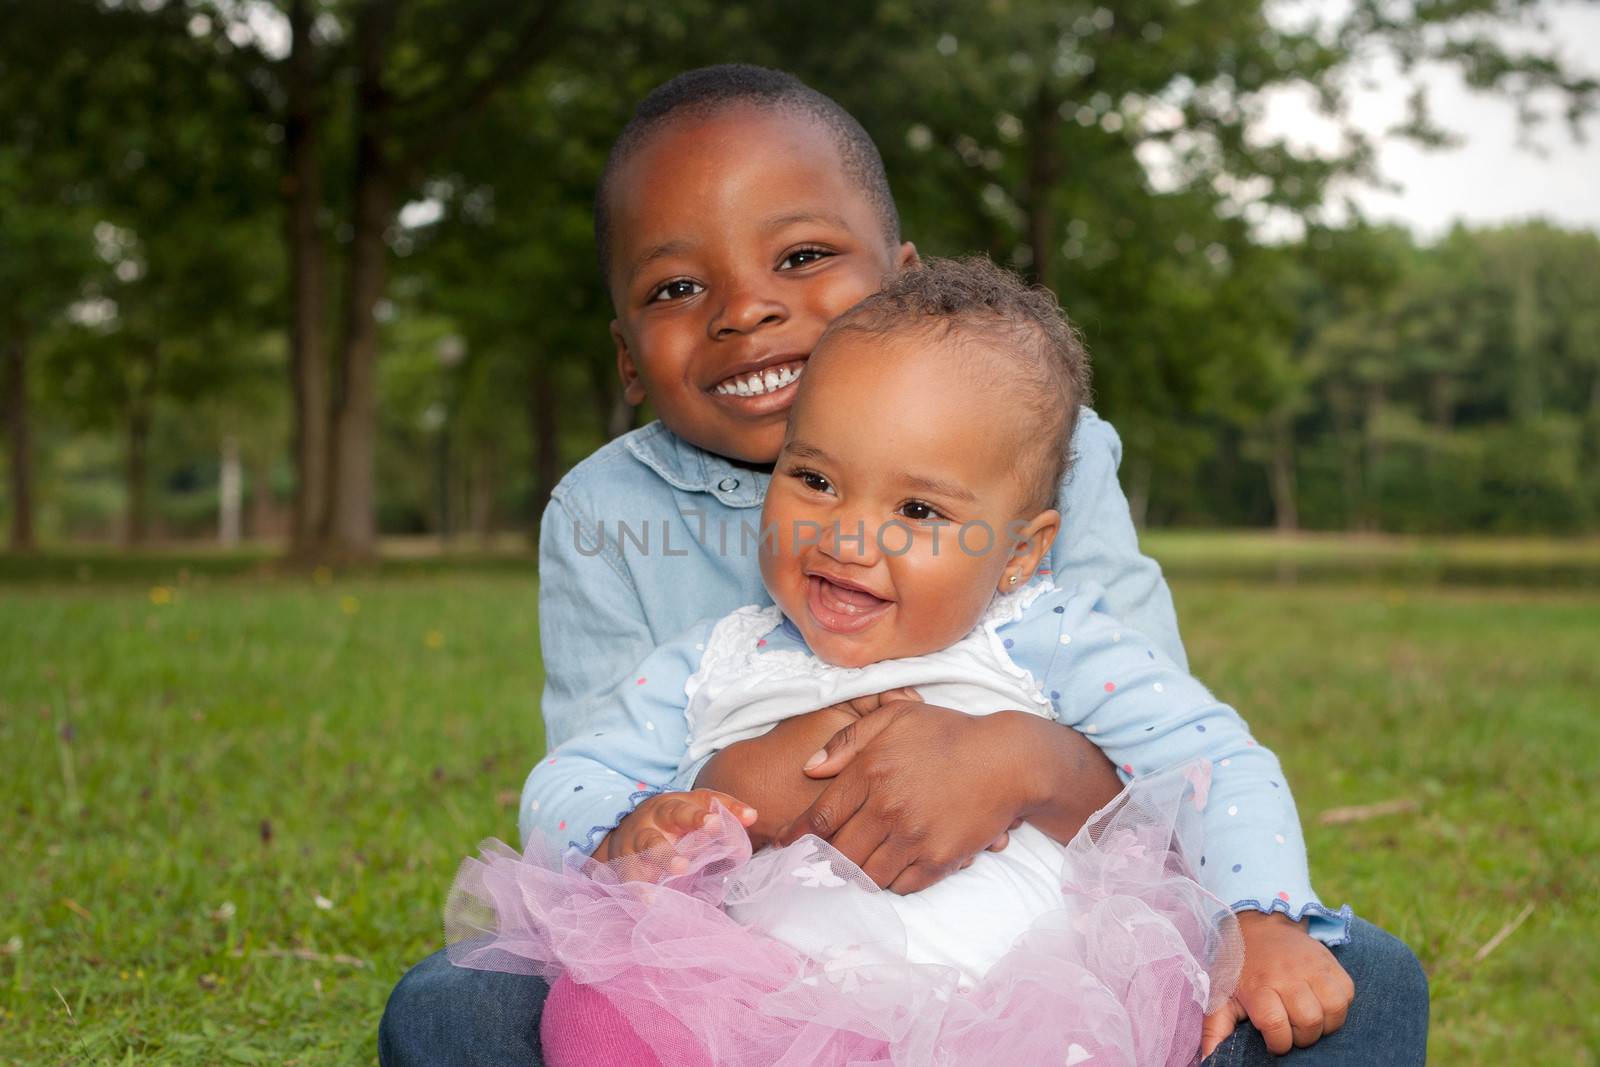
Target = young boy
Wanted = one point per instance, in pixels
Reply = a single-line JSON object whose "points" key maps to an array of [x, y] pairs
{"points": [[739, 213]]}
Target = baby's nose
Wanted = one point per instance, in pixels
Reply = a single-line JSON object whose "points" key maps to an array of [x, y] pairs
{"points": [[850, 539]]}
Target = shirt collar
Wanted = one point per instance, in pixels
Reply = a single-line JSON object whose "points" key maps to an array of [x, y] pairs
{"points": [[694, 470]]}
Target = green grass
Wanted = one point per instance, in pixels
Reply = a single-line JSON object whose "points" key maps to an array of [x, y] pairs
{"points": [[186, 767]]}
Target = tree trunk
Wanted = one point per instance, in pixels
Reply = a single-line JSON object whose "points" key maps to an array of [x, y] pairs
{"points": [[1373, 477], [230, 494], [543, 407], [1287, 515], [483, 492], [350, 520], [1594, 418], [1347, 439], [136, 476], [1044, 131], [14, 404], [261, 507], [308, 359]]}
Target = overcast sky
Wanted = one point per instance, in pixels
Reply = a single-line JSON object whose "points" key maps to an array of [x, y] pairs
{"points": [[1488, 178]]}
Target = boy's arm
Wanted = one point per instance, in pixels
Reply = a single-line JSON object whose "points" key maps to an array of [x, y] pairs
{"points": [[592, 627], [1098, 541], [629, 749], [1121, 691]]}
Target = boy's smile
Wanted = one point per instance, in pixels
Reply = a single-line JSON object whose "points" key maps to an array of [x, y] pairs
{"points": [[738, 238]]}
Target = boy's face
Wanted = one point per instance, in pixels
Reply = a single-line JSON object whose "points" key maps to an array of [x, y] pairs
{"points": [[895, 444], [736, 240]]}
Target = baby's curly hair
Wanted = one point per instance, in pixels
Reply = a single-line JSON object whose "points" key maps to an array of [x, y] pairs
{"points": [[996, 313]]}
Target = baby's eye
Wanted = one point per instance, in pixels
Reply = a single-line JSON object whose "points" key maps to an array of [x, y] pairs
{"points": [[802, 257], [919, 511], [813, 481], [676, 289]]}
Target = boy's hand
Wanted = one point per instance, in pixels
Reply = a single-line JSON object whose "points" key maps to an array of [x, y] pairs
{"points": [[917, 792], [861, 707], [1291, 987], [658, 823]]}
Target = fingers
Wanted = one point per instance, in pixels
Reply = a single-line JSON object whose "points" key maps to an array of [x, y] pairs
{"points": [[678, 814], [738, 808], [832, 809], [1268, 1014], [919, 876], [1218, 1026], [1305, 1014], [642, 857], [845, 745], [888, 862], [1336, 992], [862, 837]]}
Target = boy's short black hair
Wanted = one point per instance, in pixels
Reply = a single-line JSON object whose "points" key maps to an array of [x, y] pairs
{"points": [[703, 92], [1046, 367]]}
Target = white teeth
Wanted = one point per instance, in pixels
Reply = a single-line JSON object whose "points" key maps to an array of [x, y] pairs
{"points": [[759, 383]]}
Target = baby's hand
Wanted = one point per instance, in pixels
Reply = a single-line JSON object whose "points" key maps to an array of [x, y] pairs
{"points": [[658, 823], [1291, 987]]}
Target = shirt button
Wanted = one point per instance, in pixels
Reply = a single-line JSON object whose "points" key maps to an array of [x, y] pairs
{"points": [[728, 485]]}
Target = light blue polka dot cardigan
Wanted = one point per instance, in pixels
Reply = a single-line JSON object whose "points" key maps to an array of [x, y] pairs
{"points": [[1102, 678]]}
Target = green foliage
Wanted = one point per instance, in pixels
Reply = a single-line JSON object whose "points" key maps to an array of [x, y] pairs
{"points": [[1344, 378], [1448, 387]]}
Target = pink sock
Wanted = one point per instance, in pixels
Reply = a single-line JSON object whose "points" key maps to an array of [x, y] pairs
{"points": [[580, 1027]]}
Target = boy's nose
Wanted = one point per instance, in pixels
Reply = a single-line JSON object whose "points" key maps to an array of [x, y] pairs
{"points": [[746, 311]]}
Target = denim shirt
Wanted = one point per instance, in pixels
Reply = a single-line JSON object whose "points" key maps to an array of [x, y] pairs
{"points": [[650, 535]]}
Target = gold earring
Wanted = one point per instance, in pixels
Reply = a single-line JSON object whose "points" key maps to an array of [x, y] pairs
{"points": [[1013, 579]]}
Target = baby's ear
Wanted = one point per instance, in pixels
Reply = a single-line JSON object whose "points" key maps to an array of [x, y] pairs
{"points": [[907, 257], [627, 369], [1030, 541]]}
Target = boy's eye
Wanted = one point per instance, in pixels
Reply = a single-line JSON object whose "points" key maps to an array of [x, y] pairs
{"points": [[919, 511], [677, 289], [803, 257], [813, 481]]}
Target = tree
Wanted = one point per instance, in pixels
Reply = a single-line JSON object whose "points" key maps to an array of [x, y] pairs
{"points": [[420, 71]]}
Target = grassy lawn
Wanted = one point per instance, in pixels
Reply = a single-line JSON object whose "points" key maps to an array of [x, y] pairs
{"points": [[231, 799]]}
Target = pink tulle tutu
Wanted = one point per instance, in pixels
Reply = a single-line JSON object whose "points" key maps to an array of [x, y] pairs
{"points": [[1121, 974]]}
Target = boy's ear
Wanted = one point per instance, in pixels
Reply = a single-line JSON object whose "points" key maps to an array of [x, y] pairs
{"points": [[907, 257], [1030, 543], [627, 369]]}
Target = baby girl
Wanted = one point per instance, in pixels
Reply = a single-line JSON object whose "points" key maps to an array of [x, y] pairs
{"points": [[908, 516]]}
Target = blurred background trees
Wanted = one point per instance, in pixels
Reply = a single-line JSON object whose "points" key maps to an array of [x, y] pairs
{"points": [[316, 270]]}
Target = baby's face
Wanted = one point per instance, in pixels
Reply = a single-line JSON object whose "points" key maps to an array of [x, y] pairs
{"points": [[737, 240], [888, 515]]}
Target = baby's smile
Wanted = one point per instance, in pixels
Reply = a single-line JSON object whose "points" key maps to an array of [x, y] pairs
{"points": [[841, 606]]}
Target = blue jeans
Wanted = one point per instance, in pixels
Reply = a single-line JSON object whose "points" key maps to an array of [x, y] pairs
{"points": [[441, 1015]]}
